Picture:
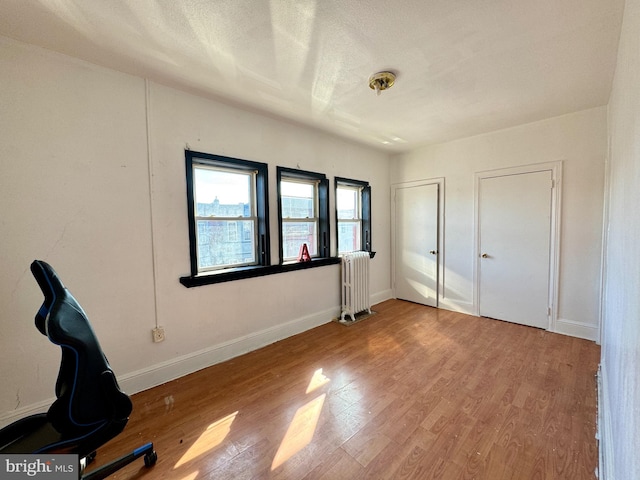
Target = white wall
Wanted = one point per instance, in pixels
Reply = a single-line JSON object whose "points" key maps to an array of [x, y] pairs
{"points": [[75, 191], [620, 368], [579, 141]]}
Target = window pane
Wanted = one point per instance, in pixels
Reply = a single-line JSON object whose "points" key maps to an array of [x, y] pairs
{"points": [[297, 199], [348, 237], [294, 234], [223, 242], [222, 194], [347, 202]]}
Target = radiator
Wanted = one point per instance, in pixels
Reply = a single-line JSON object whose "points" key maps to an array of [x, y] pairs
{"points": [[355, 284]]}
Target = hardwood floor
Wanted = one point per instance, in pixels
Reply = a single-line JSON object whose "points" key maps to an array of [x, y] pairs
{"points": [[412, 392]]}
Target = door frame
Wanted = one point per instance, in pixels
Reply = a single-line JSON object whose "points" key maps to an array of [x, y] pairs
{"points": [[554, 241], [439, 181]]}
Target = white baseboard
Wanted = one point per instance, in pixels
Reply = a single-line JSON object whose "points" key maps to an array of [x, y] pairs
{"points": [[160, 373], [458, 306], [180, 366], [381, 297], [603, 432], [575, 329], [18, 413]]}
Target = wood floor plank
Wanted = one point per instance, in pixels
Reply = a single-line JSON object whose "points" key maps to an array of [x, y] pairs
{"points": [[339, 465], [411, 392]]}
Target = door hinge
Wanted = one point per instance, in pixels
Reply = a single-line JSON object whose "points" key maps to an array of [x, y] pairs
{"points": [[553, 184], [549, 311]]}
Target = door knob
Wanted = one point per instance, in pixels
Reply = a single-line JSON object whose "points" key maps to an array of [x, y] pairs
{"points": [[433, 252], [484, 255]]}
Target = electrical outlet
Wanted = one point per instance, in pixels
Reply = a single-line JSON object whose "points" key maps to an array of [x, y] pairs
{"points": [[158, 334]]}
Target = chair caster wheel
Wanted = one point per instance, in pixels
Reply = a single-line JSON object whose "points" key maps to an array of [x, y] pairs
{"points": [[150, 459], [91, 457]]}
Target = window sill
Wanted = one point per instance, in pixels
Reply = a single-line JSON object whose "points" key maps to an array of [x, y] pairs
{"points": [[228, 275]]}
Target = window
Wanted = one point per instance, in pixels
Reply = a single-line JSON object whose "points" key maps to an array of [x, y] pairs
{"points": [[303, 213], [228, 225], [228, 218], [353, 215]]}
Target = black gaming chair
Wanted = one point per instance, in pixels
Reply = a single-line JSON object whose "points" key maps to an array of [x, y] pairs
{"points": [[90, 408]]}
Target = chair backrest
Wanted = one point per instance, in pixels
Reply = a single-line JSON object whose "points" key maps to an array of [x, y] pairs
{"points": [[88, 395]]}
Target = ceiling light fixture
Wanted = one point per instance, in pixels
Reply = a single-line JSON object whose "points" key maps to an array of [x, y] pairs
{"points": [[381, 81]]}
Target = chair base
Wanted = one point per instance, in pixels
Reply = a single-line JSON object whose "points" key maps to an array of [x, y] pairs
{"points": [[150, 458]]}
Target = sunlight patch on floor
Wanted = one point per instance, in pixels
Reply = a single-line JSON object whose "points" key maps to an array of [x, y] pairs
{"points": [[300, 431], [317, 381], [213, 436]]}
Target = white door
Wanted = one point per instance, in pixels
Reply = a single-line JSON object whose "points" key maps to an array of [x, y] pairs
{"points": [[416, 244], [514, 246]]}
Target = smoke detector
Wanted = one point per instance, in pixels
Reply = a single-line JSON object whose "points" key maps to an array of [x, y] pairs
{"points": [[381, 81]]}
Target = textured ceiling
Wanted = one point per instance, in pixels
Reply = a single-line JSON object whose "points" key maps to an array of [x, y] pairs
{"points": [[464, 66]]}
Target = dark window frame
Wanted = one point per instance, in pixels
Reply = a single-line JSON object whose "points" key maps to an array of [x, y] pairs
{"points": [[261, 198], [365, 200], [323, 247], [239, 273]]}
